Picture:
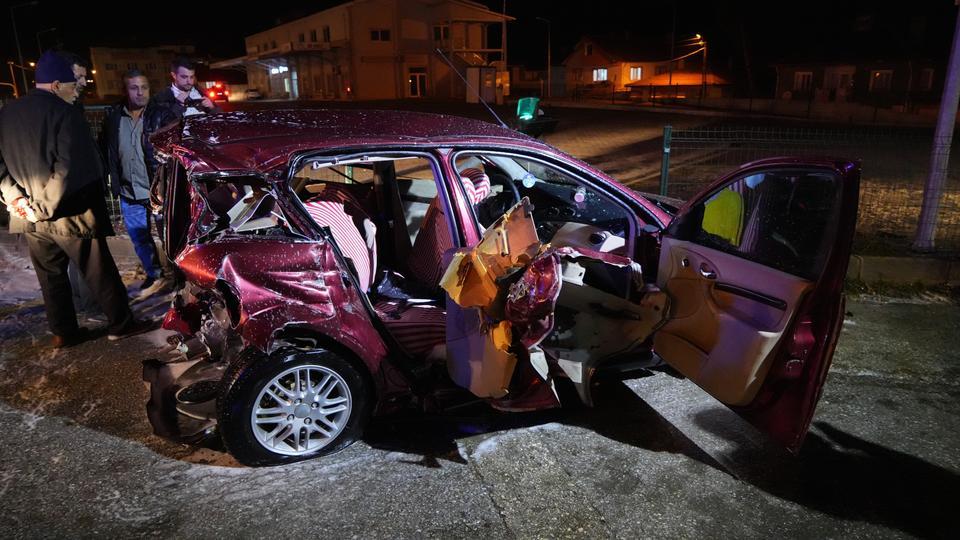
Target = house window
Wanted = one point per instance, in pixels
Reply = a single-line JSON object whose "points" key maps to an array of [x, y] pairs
{"points": [[636, 73], [441, 32], [266, 45], [926, 79], [599, 74], [880, 80], [273, 44], [151, 67], [380, 35], [588, 49], [326, 34], [302, 38], [313, 36], [802, 81]]}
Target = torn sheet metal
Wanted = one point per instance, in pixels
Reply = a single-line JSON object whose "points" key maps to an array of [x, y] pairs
{"points": [[518, 284], [508, 245]]}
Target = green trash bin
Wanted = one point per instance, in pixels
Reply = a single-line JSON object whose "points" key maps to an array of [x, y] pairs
{"points": [[527, 108]]}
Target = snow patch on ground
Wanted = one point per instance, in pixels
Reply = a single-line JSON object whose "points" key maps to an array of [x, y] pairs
{"points": [[18, 281]]}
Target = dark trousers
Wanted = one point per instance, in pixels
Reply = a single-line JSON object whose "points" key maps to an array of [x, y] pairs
{"points": [[83, 299], [52, 253]]}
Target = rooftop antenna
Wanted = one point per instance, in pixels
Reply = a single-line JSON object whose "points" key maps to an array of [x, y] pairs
{"points": [[472, 89]]}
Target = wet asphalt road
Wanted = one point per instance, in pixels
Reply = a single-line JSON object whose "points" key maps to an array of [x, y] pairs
{"points": [[656, 458]]}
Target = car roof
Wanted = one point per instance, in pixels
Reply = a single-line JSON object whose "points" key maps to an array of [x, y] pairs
{"points": [[263, 140]]}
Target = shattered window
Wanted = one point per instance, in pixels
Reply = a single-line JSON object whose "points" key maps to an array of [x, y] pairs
{"points": [[241, 204], [784, 219]]}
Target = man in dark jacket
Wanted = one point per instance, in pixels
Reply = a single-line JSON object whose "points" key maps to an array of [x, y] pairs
{"points": [[51, 181], [126, 155], [174, 103]]}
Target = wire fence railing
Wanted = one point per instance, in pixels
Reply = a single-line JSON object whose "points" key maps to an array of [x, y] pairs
{"points": [[895, 162]]}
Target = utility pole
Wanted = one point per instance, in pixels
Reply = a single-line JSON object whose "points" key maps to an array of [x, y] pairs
{"points": [[16, 38], [673, 40], [940, 154], [503, 26], [549, 63]]}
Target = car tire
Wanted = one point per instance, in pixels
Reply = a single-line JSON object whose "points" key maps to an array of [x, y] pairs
{"points": [[291, 425]]}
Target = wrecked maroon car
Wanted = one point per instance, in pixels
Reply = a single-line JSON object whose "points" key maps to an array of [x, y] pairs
{"points": [[335, 265]]}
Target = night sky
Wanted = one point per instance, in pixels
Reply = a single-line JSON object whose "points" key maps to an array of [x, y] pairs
{"points": [[759, 31]]}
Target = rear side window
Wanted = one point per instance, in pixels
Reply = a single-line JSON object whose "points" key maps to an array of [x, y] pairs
{"points": [[782, 219]]}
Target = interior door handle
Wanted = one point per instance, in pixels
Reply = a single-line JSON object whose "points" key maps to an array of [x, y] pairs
{"points": [[706, 272]]}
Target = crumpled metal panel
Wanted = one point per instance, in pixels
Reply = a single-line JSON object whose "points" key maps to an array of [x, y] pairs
{"points": [[281, 284], [532, 300]]}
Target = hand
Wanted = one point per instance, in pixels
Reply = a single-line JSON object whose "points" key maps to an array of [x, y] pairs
{"points": [[207, 104], [20, 207]]}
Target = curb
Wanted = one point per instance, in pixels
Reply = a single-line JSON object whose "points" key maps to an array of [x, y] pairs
{"points": [[904, 270]]}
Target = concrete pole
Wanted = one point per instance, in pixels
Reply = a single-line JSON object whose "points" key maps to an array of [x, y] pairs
{"points": [[16, 38], [503, 42], [940, 154], [549, 65]]}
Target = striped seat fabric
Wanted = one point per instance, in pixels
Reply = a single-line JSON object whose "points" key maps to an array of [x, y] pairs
{"points": [[363, 253], [418, 328], [476, 183], [433, 239]]}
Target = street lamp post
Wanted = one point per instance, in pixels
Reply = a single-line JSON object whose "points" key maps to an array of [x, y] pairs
{"points": [[13, 79], [703, 71], [549, 63], [16, 38], [39, 46]]}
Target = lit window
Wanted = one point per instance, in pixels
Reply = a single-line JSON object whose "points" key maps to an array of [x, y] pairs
{"points": [[802, 81], [880, 80], [636, 73], [599, 74]]}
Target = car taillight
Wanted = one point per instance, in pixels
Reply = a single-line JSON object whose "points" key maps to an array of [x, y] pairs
{"points": [[212, 94], [226, 92]]}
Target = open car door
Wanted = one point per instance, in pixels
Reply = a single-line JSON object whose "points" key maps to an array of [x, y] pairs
{"points": [[754, 268]]}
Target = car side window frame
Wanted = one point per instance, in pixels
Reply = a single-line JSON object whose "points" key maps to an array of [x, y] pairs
{"points": [[574, 173], [350, 154], [685, 227]]}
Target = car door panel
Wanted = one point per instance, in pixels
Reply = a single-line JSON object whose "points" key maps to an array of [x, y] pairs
{"points": [[754, 267], [712, 331]]}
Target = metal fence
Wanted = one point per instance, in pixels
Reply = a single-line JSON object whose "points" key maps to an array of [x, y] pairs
{"points": [[895, 165], [96, 115]]}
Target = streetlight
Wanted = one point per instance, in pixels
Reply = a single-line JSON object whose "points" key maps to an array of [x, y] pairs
{"points": [[549, 63], [39, 46], [13, 79], [703, 73], [16, 38]]}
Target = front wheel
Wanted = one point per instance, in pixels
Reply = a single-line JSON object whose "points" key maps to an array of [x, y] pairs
{"points": [[302, 405]]}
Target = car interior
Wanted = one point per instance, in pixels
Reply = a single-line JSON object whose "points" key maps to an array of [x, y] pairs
{"points": [[385, 213]]}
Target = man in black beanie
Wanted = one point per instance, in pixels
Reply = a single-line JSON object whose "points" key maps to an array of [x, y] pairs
{"points": [[51, 182]]}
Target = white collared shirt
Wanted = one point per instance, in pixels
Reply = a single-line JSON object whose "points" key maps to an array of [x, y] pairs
{"points": [[181, 95]]}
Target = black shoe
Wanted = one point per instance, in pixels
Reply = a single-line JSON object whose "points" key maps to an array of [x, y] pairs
{"points": [[70, 340], [132, 328]]}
